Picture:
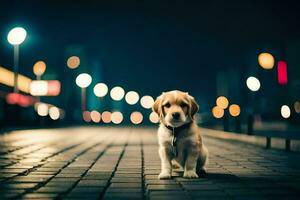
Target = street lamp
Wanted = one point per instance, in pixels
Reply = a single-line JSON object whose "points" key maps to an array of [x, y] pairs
{"points": [[15, 37], [117, 93], [235, 111], [285, 111], [83, 81], [266, 60], [100, 90], [39, 69], [253, 85]]}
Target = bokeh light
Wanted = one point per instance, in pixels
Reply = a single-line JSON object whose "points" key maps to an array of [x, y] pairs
{"points": [[285, 111], [222, 102], [234, 110], [266, 60], [54, 113], [147, 101], [83, 80], [282, 75], [106, 117], [7, 78], [95, 116], [153, 117], [38, 88], [16, 36], [253, 83], [297, 106], [217, 112], [42, 109], [100, 89], [132, 97], [117, 93], [20, 99], [116, 117], [136, 117], [39, 68], [73, 62], [86, 116]]}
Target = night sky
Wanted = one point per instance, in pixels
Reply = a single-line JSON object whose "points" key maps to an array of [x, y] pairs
{"points": [[149, 46]]}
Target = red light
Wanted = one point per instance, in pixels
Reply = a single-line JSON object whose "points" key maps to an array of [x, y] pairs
{"points": [[53, 88], [20, 99], [282, 72], [12, 98]]}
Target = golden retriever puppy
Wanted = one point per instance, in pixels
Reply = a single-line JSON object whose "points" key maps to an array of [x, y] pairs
{"points": [[179, 136]]}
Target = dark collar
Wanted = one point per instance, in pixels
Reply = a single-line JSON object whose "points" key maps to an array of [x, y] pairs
{"points": [[176, 130]]}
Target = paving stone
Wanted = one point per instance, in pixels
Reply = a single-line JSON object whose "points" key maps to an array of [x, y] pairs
{"points": [[163, 187], [52, 189], [39, 196]]}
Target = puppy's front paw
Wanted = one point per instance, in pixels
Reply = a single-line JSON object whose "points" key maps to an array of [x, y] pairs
{"points": [[190, 174], [164, 175]]}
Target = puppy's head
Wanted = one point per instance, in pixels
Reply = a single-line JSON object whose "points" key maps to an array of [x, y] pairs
{"points": [[175, 108]]}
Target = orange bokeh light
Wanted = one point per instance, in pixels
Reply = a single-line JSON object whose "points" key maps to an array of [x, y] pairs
{"points": [[234, 110], [136, 117], [106, 117], [222, 102]]}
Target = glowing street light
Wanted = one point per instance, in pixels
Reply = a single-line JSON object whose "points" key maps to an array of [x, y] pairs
{"points": [[42, 109], [234, 110], [73, 62], [39, 69], [297, 106], [266, 60], [136, 117], [95, 116], [147, 101], [106, 117], [54, 113], [16, 37], [132, 97], [222, 102], [253, 83], [116, 117], [83, 81], [153, 117], [285, 111], [100, 89], [117, 93], [217, 112]]}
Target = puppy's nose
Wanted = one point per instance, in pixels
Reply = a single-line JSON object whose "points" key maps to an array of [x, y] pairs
{"points": [[176, 115]]}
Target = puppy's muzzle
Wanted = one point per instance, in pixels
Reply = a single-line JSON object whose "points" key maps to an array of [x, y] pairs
{"points": [[176, 115]]}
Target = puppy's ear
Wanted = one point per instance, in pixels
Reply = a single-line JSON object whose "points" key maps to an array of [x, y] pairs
{"points": [[157, 106], [194, 107]]}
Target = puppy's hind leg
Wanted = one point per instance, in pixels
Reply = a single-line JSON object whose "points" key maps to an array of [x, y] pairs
{"points": [[176, 165], [202, 161]]}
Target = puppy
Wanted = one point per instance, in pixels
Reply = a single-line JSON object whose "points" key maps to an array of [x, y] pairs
{"points": [[179, 138]]}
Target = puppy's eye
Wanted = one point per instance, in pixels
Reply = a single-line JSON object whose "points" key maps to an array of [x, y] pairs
{"points": [[167, 105], [183, 105]]}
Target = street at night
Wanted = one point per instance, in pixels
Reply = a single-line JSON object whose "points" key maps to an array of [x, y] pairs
{"points": [[129, 99], [122, 163]]}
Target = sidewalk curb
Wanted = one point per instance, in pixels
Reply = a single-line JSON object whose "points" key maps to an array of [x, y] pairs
{"points": [[276, 143]]}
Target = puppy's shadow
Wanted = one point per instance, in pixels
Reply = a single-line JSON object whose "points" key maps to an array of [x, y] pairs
{"points": [[219, 176], [208, 175]]}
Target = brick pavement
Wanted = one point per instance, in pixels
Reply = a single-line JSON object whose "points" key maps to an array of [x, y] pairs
{"points": [[123, 163]]}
